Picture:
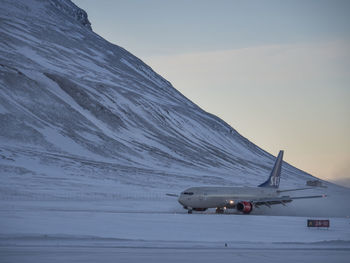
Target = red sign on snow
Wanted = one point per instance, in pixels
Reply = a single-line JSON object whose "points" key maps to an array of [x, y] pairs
{"points": [[317, 223]]}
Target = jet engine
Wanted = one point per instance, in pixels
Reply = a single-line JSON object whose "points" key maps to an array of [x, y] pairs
{"points": [[245, 207]]}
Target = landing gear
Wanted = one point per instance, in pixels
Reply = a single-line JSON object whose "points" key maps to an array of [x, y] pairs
{"points": [[219, 210], [191, 209]]}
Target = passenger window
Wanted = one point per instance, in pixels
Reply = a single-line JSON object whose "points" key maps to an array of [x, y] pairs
{"points": [[188, 193]]}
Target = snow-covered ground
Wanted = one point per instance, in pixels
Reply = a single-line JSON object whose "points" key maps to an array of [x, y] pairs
{"points": [[148, 231], [91, 140], [210, 255]]}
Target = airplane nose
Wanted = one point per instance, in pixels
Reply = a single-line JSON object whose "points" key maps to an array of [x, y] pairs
{"points": [[180, 200]]}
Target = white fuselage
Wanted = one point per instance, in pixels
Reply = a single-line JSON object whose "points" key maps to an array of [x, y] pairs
{"points": [[218, 197]]}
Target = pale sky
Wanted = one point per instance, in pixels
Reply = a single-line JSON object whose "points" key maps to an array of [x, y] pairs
{"points": [[277, 71]]}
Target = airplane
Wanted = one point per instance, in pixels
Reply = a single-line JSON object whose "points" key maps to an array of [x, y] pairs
{"points": [[243, 199]]}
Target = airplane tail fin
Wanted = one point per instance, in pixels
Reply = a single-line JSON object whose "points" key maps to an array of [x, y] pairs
{"points": [[274, 179]]}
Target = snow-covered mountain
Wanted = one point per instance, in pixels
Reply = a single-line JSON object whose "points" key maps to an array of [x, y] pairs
{"points": [[81, 117]]}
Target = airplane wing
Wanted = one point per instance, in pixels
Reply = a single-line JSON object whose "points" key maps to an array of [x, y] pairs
{"points": [[281, 200], [292, 190]]}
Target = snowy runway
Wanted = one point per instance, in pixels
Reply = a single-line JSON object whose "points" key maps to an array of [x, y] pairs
{"points": [[111, 254], [57, 231]]}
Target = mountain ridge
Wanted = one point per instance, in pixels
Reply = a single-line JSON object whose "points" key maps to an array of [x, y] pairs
{"points": [[78, 108]]}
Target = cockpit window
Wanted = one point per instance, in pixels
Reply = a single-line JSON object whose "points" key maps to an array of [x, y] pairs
{"points": [[188, 193]]}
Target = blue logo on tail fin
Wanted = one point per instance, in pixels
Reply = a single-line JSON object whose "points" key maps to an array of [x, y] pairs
{"points": [[274, 179]]}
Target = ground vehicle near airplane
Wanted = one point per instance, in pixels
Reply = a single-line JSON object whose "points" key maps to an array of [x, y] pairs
{"points": [[244, 199]]}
